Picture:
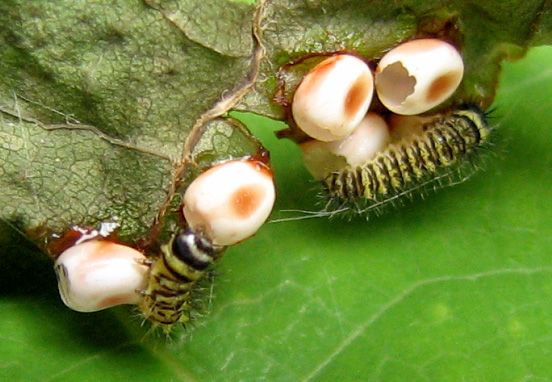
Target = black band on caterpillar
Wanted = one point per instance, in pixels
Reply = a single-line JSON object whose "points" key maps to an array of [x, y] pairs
{"points": [[445, 142], [167, 298]]}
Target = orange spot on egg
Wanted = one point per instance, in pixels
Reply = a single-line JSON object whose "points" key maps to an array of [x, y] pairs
{"points": [[441, 86], [103, 248], [415, 46], [246, 200], [315, 77], [358, 94], [325, 65]]}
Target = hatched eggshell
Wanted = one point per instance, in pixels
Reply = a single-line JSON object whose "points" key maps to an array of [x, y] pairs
{"points": [[320, 160], [333, 97], [230, 201], [418, 75], [99, 274], [369, 138], [407, 126]]}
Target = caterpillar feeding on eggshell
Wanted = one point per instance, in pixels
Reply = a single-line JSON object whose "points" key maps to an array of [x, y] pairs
{"points": [[446, 147], [369, 166], [224, 205]]}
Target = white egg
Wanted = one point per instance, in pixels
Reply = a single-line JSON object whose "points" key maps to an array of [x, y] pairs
{"points": [[404, 127], [333, 97], [418, 75], [99, 274], [369, 138], [230, 201]]}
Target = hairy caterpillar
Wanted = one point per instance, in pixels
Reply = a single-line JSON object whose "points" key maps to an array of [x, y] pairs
{"points": [[411, 163], [184, 260]]}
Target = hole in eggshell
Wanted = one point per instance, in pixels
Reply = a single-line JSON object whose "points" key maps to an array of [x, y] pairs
{"points": [[357, 95], [394, 84], [441, 86], [246, 200]]}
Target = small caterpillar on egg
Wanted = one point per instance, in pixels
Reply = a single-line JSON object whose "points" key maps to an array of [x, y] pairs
{"points": [[431, 158], [94, 273], [357, 167], [224, 205]]}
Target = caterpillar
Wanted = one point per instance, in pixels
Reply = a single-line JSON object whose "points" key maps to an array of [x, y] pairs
{"points": [[183, 261], [409, 164]]}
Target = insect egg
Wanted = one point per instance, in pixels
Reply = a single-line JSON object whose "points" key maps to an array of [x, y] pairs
{"points": [[404, 127], [333, 97], [370, 137], [222, 206], [99, 274], [230, 201], [418, 75]]}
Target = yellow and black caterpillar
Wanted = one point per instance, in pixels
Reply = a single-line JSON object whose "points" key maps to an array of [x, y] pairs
{"points": [[167, 298], [402, 167]]}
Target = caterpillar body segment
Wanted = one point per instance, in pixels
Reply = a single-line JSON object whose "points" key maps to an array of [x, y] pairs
{"points": [[168, 296], [445, 145]]}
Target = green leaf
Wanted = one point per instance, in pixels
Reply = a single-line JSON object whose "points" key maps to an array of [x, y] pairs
{"points": [[485, 32], [101, 107], [452, 288], [456, 287], [97, 101]]}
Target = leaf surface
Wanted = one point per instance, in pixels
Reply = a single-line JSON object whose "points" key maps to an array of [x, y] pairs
{"points": [[97, 103], [454, 287]]}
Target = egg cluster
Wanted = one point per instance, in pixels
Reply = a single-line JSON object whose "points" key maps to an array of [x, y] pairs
{"points": [[332, 104], [229, 202], [224, 205]]}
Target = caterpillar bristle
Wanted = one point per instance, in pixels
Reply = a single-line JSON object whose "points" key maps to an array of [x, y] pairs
{"points": [[411, 166], [447, 153], [173, 295]]}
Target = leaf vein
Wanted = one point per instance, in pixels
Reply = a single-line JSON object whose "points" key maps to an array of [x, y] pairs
{"points": [[356, 333]]}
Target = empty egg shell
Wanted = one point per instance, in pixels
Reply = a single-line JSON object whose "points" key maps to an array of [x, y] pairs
{"points": [[370, 137], [320, 160], [403, 127], [333, 98], [230, 201], [99, 274], [418, 75]]}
